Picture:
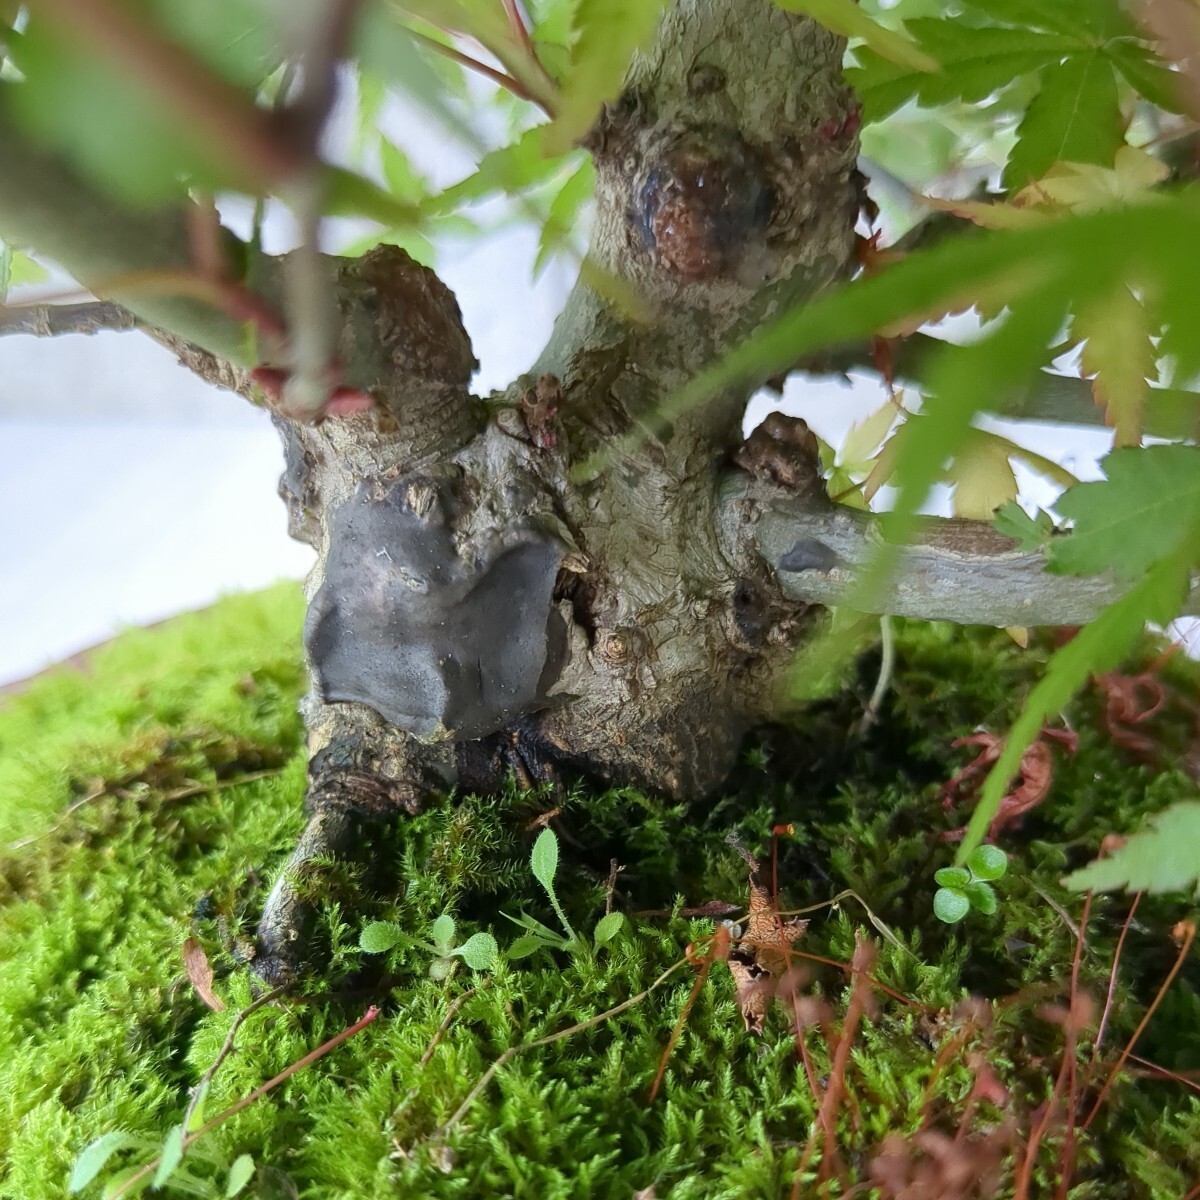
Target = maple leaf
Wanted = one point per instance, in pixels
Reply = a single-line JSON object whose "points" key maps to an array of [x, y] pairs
{"points": [[1120, 355], [1066, 187], [1165, 858], [1087, 187], [983, 477], [1147, 509], [760, 957]]}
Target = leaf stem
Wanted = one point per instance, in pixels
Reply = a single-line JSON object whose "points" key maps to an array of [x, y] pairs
{"points": [[473, 64]]}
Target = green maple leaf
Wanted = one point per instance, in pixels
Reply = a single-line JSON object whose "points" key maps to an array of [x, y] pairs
{"points": [[1144, 511], [1075, 117], [1164, 858]]}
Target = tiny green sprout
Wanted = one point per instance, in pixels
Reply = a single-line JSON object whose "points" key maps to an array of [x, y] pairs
{"points": [[607, 928], [479, 951], [240, 1174], [988, 863], [950, 905], [442, 934], [964, 888], [953, 877], [544, 862], [982, 897], [379, 937]]}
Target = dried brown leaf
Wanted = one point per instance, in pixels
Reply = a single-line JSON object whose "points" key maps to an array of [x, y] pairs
{"points": [[1034, 779], [760, 957], [200, 972]]}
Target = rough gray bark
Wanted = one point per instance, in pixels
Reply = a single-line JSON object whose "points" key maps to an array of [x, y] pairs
{"points": [[478, 608], [474, 609], [952, 570]]}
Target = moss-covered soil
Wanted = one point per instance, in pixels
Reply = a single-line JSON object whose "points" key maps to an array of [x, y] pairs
{"points": [[153, 795]]}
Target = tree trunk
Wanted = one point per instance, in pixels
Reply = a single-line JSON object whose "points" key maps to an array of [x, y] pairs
{"points": [[479, 607]]}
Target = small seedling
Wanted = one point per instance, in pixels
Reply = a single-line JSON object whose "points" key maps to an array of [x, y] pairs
{"points": [[961, 889], [479, 951], [544, 862]]}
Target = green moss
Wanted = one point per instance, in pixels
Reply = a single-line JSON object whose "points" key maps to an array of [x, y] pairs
{"points": [[127, 823]]}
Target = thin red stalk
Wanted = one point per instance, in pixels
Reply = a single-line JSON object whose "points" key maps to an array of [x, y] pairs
{"points": [[678, 1030], [1112, 978], [955, 1044], [827, 1114], [505, 81], [520, 30], [226, 1050], [805, 1058], [849, 970], [1175, 1076], [1188, 938], [1069, 1056], [1025, 1172], [221, 1117], [1194, 1193]]}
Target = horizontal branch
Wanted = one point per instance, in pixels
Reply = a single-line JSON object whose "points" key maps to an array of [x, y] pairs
{"points": [[54, 320], [118, 253], [954, 570], [1065, 399]]}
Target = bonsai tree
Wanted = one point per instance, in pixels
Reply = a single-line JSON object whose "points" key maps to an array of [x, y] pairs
{"points": [[591, 571]]}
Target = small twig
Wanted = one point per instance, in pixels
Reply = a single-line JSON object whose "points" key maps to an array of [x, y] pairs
{"points": [[452, 1011], [1189, 935], [54, 320], [447, 1020], [1112, 978], [225, 1051], [614, 869], [513, 1051], [1059, 911], [190, 1138]]}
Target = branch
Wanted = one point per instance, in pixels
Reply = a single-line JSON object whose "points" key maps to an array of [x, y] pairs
{"points": [[955, 570], [1170, 412], [53, 320]]}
